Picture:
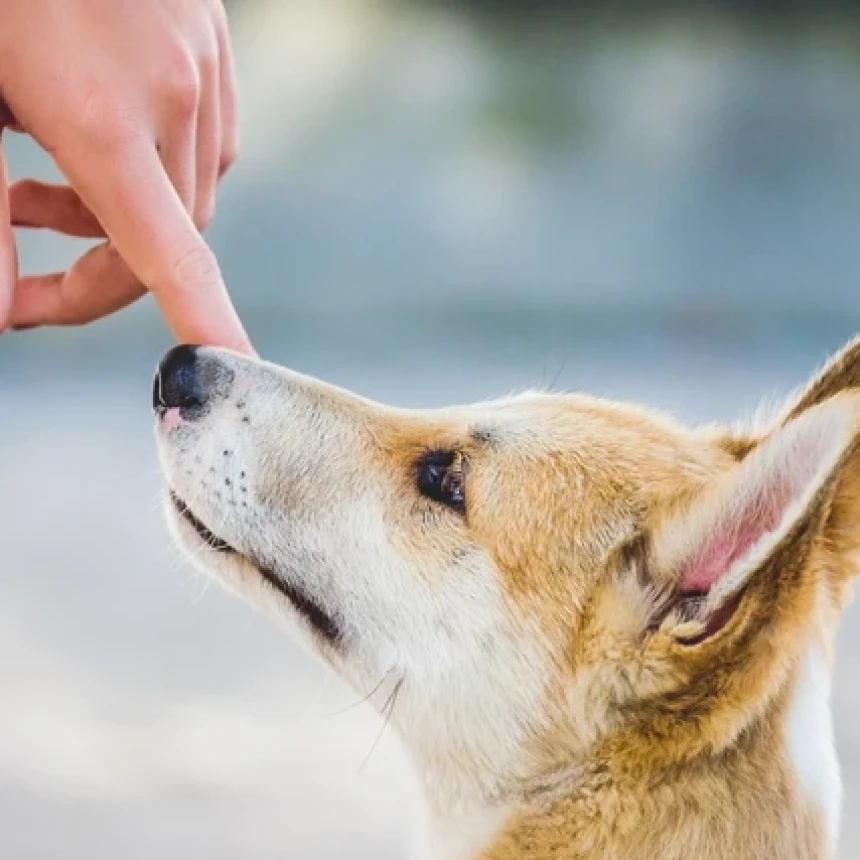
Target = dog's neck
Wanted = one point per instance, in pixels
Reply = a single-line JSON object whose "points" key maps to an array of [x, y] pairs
{"points": [[774, 793]]}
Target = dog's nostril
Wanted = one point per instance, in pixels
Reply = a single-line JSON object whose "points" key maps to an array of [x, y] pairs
{"points": [[178, 381]]}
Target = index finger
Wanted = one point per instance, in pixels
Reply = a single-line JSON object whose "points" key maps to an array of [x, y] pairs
{"points": [[129, 192]]}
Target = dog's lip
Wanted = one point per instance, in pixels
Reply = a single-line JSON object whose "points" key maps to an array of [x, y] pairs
{"points": [[319, 619], [203, 531]]}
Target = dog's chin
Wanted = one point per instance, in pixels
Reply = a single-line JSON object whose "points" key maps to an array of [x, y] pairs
{"points": [[233, 567]]}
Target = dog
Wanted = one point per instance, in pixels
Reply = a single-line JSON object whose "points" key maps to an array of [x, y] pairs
{"points": [[598, 633]]}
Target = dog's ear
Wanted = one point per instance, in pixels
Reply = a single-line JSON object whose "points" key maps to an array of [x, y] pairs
{"points": [[753, 531], [839, 375], [735, 570]]}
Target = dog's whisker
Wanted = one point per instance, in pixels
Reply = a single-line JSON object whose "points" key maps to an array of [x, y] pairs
{"points": [[204, 586], [558, 374], [367, 697], [386, 712]]}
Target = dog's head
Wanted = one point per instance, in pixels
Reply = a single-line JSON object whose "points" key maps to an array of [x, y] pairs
{"points": [[527, 581]]}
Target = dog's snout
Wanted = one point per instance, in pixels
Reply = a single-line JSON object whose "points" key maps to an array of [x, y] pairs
{"points": [[178, 381]]}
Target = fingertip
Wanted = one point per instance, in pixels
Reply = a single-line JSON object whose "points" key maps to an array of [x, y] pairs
{"points": [[37, 301], [246, 348], [228, 335], [25, 196], [204, 316], [241, 343], [38, 204], [97, 284]]}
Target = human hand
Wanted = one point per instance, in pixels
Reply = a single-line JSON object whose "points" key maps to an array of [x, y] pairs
{"points": [[135, 101]]}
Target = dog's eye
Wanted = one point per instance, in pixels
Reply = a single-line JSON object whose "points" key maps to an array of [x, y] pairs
{"points": [[441, 478]]}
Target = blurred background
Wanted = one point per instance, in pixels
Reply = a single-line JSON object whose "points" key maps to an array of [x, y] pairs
{"points": [[436, 202]]}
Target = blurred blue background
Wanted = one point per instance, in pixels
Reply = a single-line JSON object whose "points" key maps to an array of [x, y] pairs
{"points": [[435, 202]]}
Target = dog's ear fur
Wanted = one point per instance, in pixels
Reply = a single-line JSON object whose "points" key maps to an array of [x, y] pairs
{"points": [[794, 485], [735, 572], [759, 522], [725, 580], [839, 376]]}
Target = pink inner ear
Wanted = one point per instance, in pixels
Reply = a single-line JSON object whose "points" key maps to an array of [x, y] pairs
{"points": [[759, 508], [725, 547]]}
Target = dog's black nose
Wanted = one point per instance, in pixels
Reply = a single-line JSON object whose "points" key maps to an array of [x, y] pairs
{"points": [[178, 382]]}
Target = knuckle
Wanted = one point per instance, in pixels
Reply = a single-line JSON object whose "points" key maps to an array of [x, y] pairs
{"points": [[180, 85], [194, 270], [91, 108]]}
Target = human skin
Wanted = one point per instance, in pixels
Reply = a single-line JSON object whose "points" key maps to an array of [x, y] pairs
{"points": [[135, 101]]}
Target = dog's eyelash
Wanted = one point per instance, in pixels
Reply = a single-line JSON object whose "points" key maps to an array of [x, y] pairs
{"points": [[441, 477]]}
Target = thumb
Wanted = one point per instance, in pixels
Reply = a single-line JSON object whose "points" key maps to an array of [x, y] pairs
{"points": [[8, 253]]}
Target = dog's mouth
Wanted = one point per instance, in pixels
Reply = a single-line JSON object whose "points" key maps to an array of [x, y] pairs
{"points": [[321, 621], [203, 532]]}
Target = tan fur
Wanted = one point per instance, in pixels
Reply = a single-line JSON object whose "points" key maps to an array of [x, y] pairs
{"points": [[555, 680]]}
